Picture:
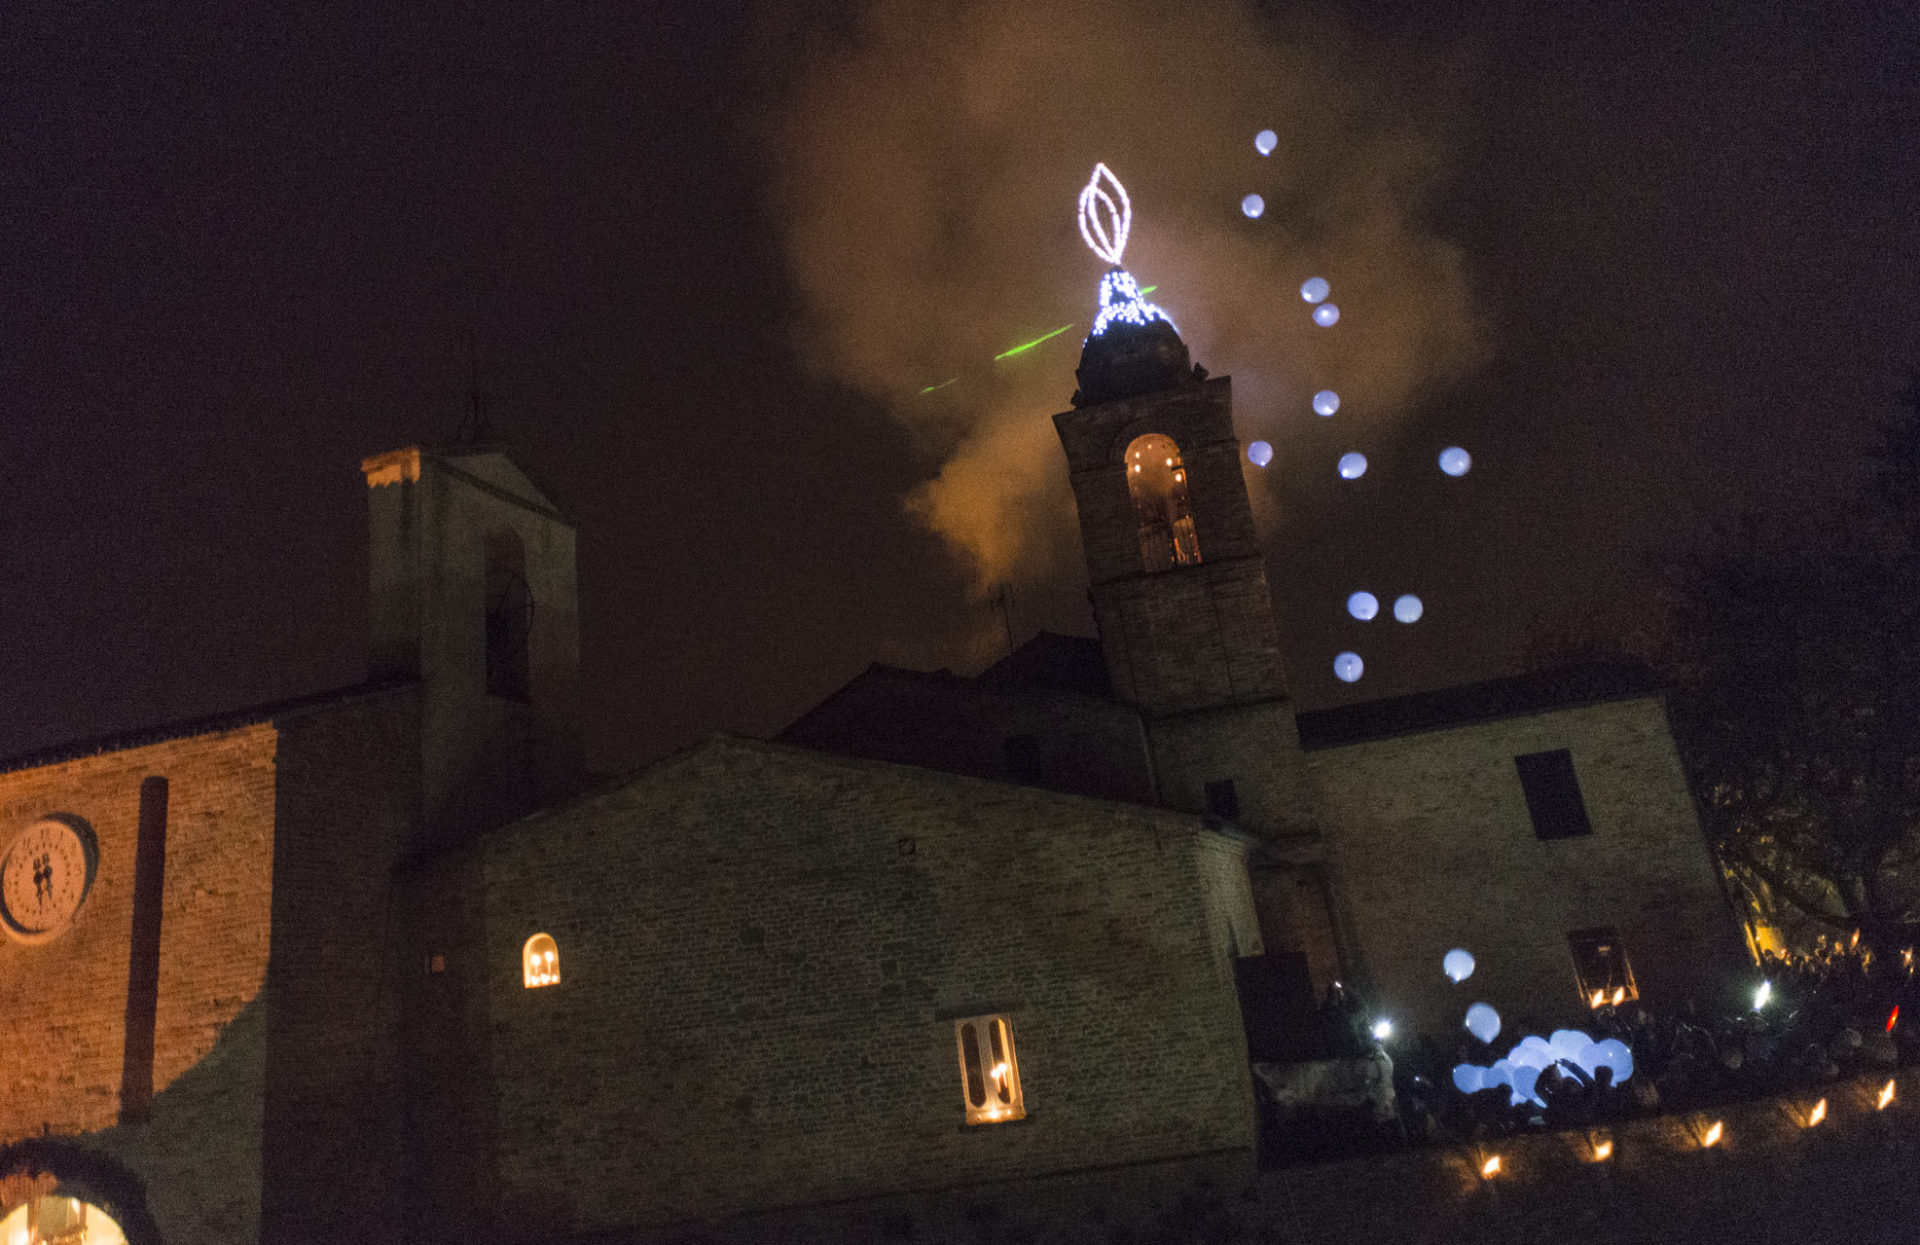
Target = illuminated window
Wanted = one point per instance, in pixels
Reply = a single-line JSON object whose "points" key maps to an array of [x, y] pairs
{"points": [[509, 616], [1600, 966], [1157, 479], [1553, 795], [540, 962], [989, 1070], [59, 1221]]}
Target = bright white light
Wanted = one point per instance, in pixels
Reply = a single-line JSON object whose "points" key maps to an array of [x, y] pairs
{"points": [[1407, 609], [1265, 141], [1253, 205], [1363, 605], [1455, 461], [1761, 995], [1458, 964], [1106, 234], [1382, 1030], [1347, 667], [1313, 289], [1259, 453], [1353, 466], [1326, 402], [1483, 1022], [1326, 315], [1120, 302]]}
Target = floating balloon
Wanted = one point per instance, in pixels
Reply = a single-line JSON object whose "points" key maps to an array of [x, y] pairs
{"points": [[1265, 141], [1407, 609], [1353, 466], [1483, 1022], [1313, 289], [1608, 1053], [1253, 205], [1347, 667], [1326, 402], [1259, 453], [1363, 605], [1467, 1077], [1532, 1052], [1525, 1078], [1569, 1044], [1458, 964], [1326, 315], [1455, 461]]}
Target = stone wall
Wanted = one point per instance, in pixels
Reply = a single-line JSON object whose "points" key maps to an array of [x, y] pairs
{"points": [[1434, 849], [763, 952]]}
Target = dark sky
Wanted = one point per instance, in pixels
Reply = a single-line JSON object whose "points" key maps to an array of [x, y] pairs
{"points": [[241, 249]]}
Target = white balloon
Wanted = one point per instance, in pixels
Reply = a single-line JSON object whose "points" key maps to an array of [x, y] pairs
{"points": [[1458, 964], [1348, 667], [1408, 608], [1363, 605], [1253, 205], [1483, 1022], [1468, 1077], [1353, 465], [1326, 315], [1313, 289], [1326, 402], [1568, 1044], [1259, 453], [1265, 141], [1455, 461]]}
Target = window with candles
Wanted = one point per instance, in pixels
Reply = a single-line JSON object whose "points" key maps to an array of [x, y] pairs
{"points": [[1600, 966], [1157, 481], [989, 1070], [540, 962]]}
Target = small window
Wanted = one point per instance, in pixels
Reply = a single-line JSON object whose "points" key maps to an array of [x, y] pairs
{"points": [[989, 1070], [1553, 795], [1023, 757], [1223, 801], [1600, 966], [1157, 481], [540, 962]]}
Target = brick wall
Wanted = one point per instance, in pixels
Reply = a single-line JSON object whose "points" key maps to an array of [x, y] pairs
{"points": [[1434, 849], [762, 953]]}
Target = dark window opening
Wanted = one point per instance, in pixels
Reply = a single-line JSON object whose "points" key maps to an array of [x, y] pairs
{"points": [[509, 606], [1157, 481], [1223, 801], [1553, 795], [1600, 966], [1023, 757]]}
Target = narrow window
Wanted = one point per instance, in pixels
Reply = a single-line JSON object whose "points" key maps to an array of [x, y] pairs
{"points": [[540, 962], [1553, 795], [1157, 480], [1023, 757], [509, 616], [1223, 801], [1601, 968], [989, 1070]]}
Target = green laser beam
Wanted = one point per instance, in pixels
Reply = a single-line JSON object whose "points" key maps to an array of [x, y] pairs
{"points": [[1023, 347], [1150, 289], [942, 385]]}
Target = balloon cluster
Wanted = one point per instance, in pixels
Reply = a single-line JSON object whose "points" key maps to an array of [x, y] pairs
{"points": [[1519, 1072]]}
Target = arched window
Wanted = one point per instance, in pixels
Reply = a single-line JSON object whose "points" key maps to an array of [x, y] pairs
{"points": [[540, 962], [60, 1219], [1157, 480], [509, 615]]}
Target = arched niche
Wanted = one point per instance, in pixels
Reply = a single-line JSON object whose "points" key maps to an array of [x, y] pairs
{"points": [[540, 962], [1157, 482]]}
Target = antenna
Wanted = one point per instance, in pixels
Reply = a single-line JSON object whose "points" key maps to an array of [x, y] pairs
{"points": [[474, 428], [1003, 600]]}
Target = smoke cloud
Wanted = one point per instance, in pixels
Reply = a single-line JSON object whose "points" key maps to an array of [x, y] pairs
{"points": [[928, 162]]}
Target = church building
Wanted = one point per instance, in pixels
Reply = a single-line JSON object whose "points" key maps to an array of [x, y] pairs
{"points": [[378, 965]]}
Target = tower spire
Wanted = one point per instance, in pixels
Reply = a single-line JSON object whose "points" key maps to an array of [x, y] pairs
{"points": [[1134, 346]]}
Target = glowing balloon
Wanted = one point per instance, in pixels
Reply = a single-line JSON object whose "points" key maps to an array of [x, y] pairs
{"points": [[1458, 964], [1265, 141], [1363, 605], [1524, 1080], [1467, 1077], [1347, 667], [1455, 461], [1326, 314], [1407, 609], [1483, 1022], [1326, 402], [1253, 205], [1608, 1053], [1569, 1044], [1501, 1073], [1532, 1052], [1259, 453], [1313, 289], [1353, 466]]}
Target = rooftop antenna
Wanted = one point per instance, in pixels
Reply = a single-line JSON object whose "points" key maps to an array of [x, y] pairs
{"points": [[1003, 601], [475, 429]]}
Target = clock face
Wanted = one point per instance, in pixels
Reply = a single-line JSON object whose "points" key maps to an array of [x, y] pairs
{"points": [[45, 874]]}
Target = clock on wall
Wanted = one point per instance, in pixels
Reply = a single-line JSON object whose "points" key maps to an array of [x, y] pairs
{"points": [[45, 874]]}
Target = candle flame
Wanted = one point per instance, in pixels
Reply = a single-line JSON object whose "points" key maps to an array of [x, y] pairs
{"points": [[1713, 1136], [1818, 1113], [1603, 1151], [1886, 1097], [1491, 1167]]}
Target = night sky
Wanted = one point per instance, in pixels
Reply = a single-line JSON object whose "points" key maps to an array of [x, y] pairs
{"points": [[242, 249]]}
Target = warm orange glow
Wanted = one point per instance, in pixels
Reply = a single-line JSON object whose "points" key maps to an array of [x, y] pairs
{"points": [[1602, 1151], [1886, 1097], [539, 962], [989, 1070], [1157, 484], [1713, 1136], [1599, 999], [1490, 1168], [1893, 1017], [1818, 1113]]}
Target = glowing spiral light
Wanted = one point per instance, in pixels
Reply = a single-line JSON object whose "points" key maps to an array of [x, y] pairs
{"points": [[1326, 402], [1259, 453], [1105, 232], [1407, 609], [1265, 141], [1253, 205], [1348, 667], [1363, 605], [1353, 465], [1455, 461], [1326, 315]]}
